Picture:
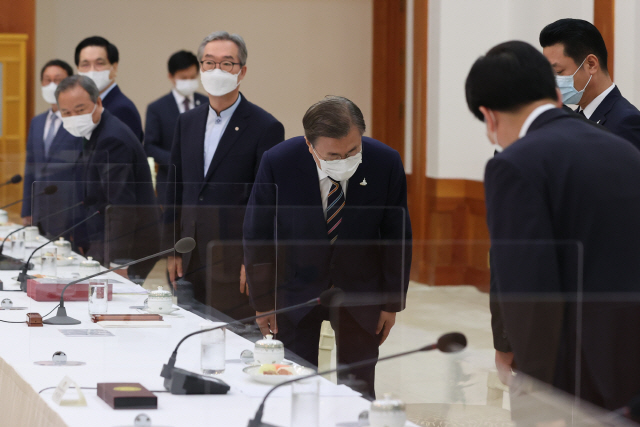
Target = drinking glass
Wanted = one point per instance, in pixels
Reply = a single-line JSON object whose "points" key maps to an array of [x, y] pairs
{"points": [[305, 401], [98, 292], [212, 349]]}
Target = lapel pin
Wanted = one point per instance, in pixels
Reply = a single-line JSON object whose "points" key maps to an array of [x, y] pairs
{"points": [[197, 102], [364, 182], [598, 122], [237, 128]]}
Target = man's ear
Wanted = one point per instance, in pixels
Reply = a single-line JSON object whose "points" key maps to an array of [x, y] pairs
{"points": [[592, 64], [488, 120]]}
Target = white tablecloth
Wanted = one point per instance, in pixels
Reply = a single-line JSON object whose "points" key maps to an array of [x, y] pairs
{"points": [[133, 355]]}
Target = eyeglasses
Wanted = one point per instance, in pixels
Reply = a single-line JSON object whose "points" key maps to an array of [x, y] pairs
{"points": [[224, 65]]}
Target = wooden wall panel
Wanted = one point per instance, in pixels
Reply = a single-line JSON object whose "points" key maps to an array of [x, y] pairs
{"points": [[604, 20], [388, 77]]}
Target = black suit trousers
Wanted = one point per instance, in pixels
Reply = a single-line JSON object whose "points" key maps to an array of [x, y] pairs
{"points": [[353, 343]]}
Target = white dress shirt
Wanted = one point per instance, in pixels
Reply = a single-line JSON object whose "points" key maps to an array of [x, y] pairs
{"points": [[325, 188], [107, 90], [534, 115], [216, 124], [180, 100], [597, 101], [56, 125]]}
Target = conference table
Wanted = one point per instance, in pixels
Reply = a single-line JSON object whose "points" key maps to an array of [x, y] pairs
{"points": [[133, 355]]}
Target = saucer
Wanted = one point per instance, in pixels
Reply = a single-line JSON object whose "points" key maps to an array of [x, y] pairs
{"points": [[173, 310]]}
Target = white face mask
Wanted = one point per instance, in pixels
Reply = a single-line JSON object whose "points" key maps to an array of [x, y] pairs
{"points": [[218, 83], [341, 169], [100, 78], [496, 146], [187, 87], [80, 126], [49, 93], [571, 95]]}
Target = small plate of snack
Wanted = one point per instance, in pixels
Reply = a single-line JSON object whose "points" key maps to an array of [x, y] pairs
{"points": [[276, 373]]}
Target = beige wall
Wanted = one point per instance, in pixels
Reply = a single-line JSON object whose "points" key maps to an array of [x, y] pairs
{"points": [[299, 50]]}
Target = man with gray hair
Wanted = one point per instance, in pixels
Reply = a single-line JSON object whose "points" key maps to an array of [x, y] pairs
{"points": [[342, 221], [114, 172], [215, 155]]}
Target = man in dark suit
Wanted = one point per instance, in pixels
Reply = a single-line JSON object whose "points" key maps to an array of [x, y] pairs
{"points": [[564, 231], [163, 113], [52, 153], [98, 59], [342, 221], [216, 153], [116, 174], [578, 55]]}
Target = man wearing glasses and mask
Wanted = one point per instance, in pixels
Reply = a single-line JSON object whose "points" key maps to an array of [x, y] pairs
{"points": [[215, 156]]}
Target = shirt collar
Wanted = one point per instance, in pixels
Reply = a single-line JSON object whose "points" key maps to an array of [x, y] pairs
{"points": [[225, 114], [534, 115], [180, 97], [597, 101], [51, 113], [321, 174], [107, 90]]}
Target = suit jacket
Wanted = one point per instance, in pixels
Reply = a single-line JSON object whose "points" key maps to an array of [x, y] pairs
{"points": [[370, 260], [160, 126], [57, 167], [619, 116], [565, 240], [124, 109], [115, 172], [198, 198]]}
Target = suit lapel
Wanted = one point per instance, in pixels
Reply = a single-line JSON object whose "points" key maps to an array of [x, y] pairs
{"points": [[310, 198], [198, 152], [600, 114], [235, 128], [356, 197], [172, 105], [39, 138]]}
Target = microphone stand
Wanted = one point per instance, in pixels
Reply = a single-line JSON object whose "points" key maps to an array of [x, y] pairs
{"points": [[23, 276], [180, 381], [448, 343], [183, 245]]}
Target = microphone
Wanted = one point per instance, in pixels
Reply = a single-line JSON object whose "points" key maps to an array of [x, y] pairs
{"points": [[452, 342], [184, 245], [14, 180], [180, 381], [23, 276], [51, 189]]}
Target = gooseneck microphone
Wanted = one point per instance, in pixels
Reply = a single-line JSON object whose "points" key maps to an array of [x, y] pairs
{"points": [[15, 179], [23, 276], [452, 342], [184, 245], [180, 381], [51, 189]]}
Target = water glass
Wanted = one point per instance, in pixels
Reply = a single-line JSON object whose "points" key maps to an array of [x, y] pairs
{"points": [[98, 292], [49, 257], [17, 245], [212, 349], [305, 402]]}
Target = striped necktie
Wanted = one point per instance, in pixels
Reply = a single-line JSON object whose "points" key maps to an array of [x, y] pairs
{"points": [[335, 203]]}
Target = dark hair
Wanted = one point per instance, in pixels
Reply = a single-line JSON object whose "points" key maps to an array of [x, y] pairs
{"points": [[112, 50], [182, 60], [84, 82], [509, 76], [332, 117], [57, 63], [579, 38]]}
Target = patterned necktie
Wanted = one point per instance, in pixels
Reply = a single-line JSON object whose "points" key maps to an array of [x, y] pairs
{"points": [[186, 104], [50, 135], [335, 203]]}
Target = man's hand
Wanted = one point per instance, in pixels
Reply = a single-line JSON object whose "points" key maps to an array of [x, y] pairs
{"points": [[505, 365], [26, 220], [244, 288], [174, 267], [385, 323], [267, 324]]}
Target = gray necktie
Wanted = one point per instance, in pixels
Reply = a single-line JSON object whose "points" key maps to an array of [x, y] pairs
{"points": [[50, 135]]}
